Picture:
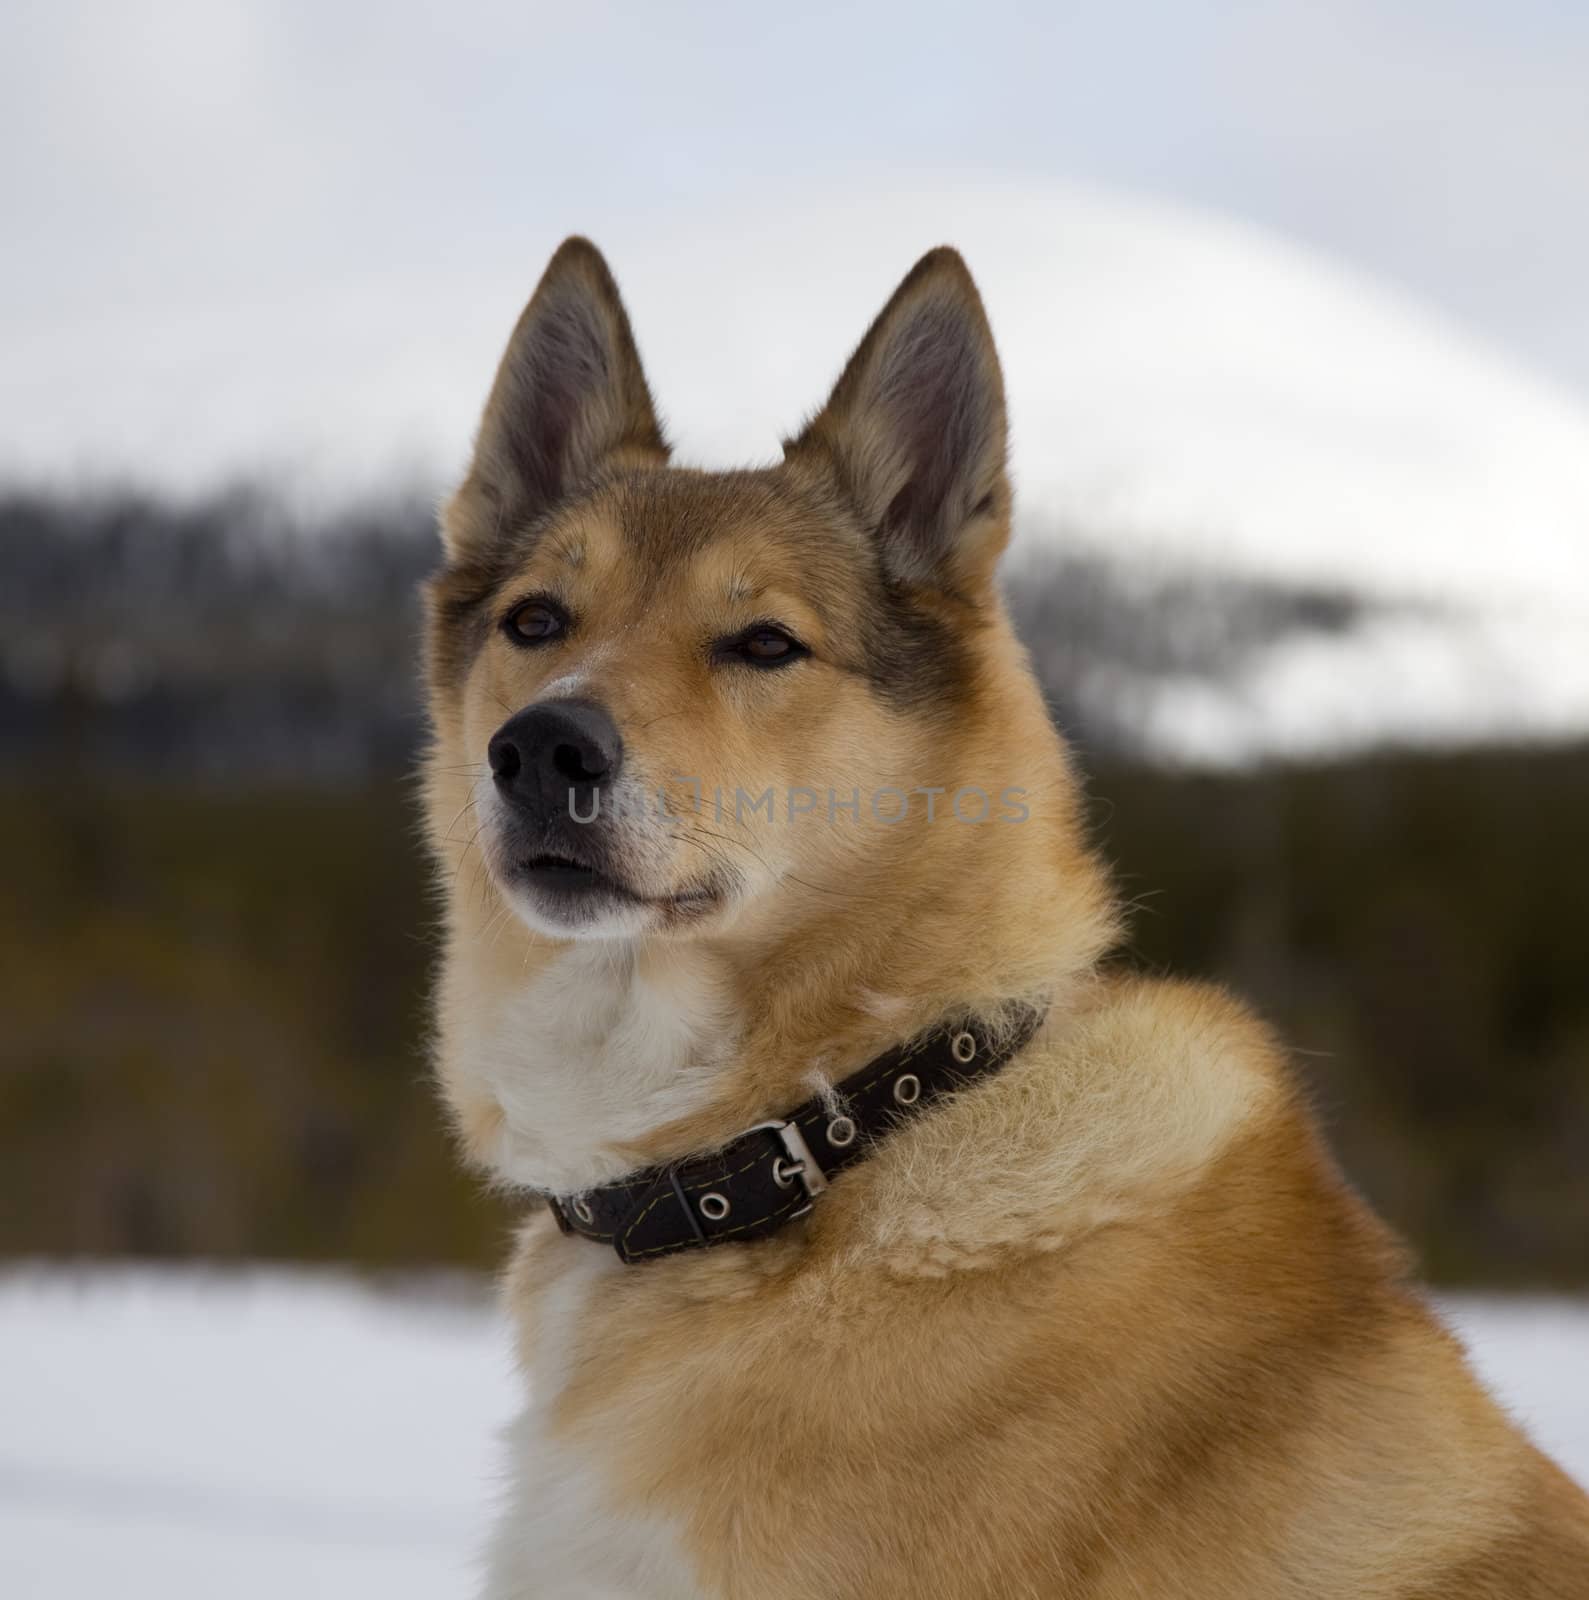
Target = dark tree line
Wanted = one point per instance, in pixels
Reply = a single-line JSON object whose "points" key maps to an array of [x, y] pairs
{"points": [[234, 634]]}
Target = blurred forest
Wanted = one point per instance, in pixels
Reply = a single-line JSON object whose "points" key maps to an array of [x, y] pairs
{"points": [[218, 933]]}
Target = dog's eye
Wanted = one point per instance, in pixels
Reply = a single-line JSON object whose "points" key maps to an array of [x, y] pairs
{"points": [[762, 646], [535, 622]]}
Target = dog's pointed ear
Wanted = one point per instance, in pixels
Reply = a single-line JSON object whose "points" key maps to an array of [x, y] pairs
{"points": [[570, 396], [915, 431]]}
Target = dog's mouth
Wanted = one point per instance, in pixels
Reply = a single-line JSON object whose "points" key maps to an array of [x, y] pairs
{"points": [[564, 875], [565, 880]]}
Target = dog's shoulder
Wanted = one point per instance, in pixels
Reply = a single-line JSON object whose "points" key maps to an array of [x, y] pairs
{"points": [[1187, 1053], [1124, 1100]]}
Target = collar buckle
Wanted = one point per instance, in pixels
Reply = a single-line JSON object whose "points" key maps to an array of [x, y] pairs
{"points": [[796, 1162]]}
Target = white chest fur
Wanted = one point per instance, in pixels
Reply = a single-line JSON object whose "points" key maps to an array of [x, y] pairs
{"points": [[603, 1045], [559, 1535]]}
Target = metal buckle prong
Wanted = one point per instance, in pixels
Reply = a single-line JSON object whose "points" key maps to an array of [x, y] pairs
{"points": [[812, 1177]]}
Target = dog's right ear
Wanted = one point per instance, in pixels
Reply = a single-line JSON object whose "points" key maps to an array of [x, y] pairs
{"points": [[570, 396]]}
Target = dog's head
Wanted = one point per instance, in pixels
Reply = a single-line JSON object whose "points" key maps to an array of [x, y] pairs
{"points": [[665, 700]]}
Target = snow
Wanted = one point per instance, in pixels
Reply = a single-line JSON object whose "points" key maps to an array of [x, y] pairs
{"points": [[268, 1434], [1413, 677], [172, 1434]]}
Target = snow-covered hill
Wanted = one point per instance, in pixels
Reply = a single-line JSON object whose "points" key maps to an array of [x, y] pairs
{"points": [[170, 1436], [1178, 381], [1187, 393]]}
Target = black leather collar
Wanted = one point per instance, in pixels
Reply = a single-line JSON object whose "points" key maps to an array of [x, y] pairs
{"points": [[770, 1174]]}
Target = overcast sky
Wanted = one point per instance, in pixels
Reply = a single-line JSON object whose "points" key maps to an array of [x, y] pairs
{"points": [[177, 166]]}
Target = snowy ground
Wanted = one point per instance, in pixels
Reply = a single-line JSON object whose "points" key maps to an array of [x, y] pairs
{"points": [[179, 1435]]}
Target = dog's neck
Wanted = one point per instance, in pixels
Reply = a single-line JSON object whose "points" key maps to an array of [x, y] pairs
{"points": [[608, 1056]]}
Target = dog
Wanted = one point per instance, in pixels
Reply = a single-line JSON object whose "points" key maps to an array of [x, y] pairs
{"points": [[890, 1240]]}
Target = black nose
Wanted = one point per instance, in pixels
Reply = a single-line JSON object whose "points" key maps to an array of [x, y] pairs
{"points": [[551, 755]]}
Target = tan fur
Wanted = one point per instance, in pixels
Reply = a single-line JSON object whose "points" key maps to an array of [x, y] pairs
{"points": [[1108, 1324]]}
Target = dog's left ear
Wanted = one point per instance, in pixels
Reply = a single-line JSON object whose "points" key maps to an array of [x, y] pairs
{"points": [[915, 431]]}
